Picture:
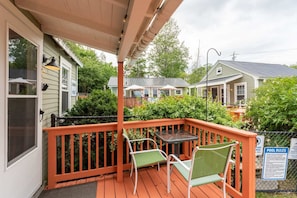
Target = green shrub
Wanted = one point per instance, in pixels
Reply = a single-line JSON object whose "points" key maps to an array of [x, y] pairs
{"points": [[98, 103], [274, 108], [183, 107]]}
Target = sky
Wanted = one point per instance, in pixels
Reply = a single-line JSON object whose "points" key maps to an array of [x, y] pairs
{"points": [[262, 31], [254, 30]]}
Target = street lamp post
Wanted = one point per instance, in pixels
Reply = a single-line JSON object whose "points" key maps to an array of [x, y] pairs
{"points": [[206, 80]]}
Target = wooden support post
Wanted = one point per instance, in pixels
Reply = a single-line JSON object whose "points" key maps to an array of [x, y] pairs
{"points": [[120, 121]]}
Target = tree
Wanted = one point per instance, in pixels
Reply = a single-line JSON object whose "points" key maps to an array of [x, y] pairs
{"points": [[168, 57], [22, 53], [196, 75], [294, 66], [95, 73], [274, 107], [137, 70]]}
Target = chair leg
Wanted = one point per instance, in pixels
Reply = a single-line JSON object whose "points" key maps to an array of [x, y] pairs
{"points": [[189, 190], [168, 178], [224, 189], [135, 182], [131, 172]]}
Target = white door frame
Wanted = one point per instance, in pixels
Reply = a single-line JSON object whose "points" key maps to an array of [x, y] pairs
{"points": [[66, 65], [23, 177]]}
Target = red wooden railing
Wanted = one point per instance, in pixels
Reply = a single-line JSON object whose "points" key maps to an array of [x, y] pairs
{"points": [[87, 151]]}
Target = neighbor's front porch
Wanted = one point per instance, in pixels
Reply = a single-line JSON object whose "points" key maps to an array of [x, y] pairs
{"points": [[88, 153]]}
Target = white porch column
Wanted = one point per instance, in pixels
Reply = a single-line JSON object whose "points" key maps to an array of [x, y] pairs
{"points": [[225, 94]]}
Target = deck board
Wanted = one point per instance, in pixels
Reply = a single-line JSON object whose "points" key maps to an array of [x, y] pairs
{"points": [[151, 184]]}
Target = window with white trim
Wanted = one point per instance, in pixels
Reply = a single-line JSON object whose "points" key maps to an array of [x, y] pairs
{"points": [[22, 96], [240, 92], [178, 92], [65, 85], [65, 88]]}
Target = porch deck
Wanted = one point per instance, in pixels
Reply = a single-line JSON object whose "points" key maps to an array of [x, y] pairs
{"points": [[151, 183]]}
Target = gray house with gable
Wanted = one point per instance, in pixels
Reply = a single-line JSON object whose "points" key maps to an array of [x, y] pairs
{"points": [[152, 87], [233, 82]]}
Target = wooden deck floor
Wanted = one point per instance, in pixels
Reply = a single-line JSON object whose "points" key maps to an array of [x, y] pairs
{"points": [[151, 183]]}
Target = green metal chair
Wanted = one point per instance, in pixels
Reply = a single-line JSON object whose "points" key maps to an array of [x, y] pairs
{"points": [[208, 164], [143, 158]]}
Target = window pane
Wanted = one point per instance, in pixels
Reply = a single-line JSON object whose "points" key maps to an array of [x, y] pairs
{"points": [[240, 90], [240, 98], [65, 79], [64, 101], [178, 92], [155, 93], [21, 126], [22, 65]]}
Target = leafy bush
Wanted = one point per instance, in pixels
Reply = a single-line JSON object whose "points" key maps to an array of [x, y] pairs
{"points": [[184, 107], [98, 103], [275, 106]]}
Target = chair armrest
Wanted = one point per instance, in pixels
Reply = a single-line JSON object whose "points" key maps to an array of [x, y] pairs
{"points": [[145, 139], [141, 139], [177, 160], [150, 150], [232, 161]]}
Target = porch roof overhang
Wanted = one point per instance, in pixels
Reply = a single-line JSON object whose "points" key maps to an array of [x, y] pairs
{"points": [[121, 27], [219, 81]]}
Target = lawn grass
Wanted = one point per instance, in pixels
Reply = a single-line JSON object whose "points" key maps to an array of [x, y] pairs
{"points": [[276, 195]]}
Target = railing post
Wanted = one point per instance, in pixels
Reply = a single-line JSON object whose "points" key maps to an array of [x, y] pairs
{"points": [[52, 157], [248, 168], [53, 120], [120, 121]]}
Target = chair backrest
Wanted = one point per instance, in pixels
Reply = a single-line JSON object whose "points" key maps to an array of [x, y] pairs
{"points": [[126, 136], [211, 159]]}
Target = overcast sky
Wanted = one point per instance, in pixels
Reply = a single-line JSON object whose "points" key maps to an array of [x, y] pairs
{"points": [[256, 30]]}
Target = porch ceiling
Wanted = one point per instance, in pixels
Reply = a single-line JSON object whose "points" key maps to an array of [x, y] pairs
{"points": [[121, 27]]}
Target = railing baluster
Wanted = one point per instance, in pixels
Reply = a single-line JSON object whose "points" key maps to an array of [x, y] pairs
{"points": [[237, 168], [97, 149], [112, 153], [63, 154], [215, 138], [71, 153], [89, 150], [105, 149], [80, 152]]}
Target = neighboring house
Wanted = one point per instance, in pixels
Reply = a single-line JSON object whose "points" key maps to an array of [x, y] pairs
{"points": [[121, 27], [150, 87], [233, 82], [62, 91]]}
